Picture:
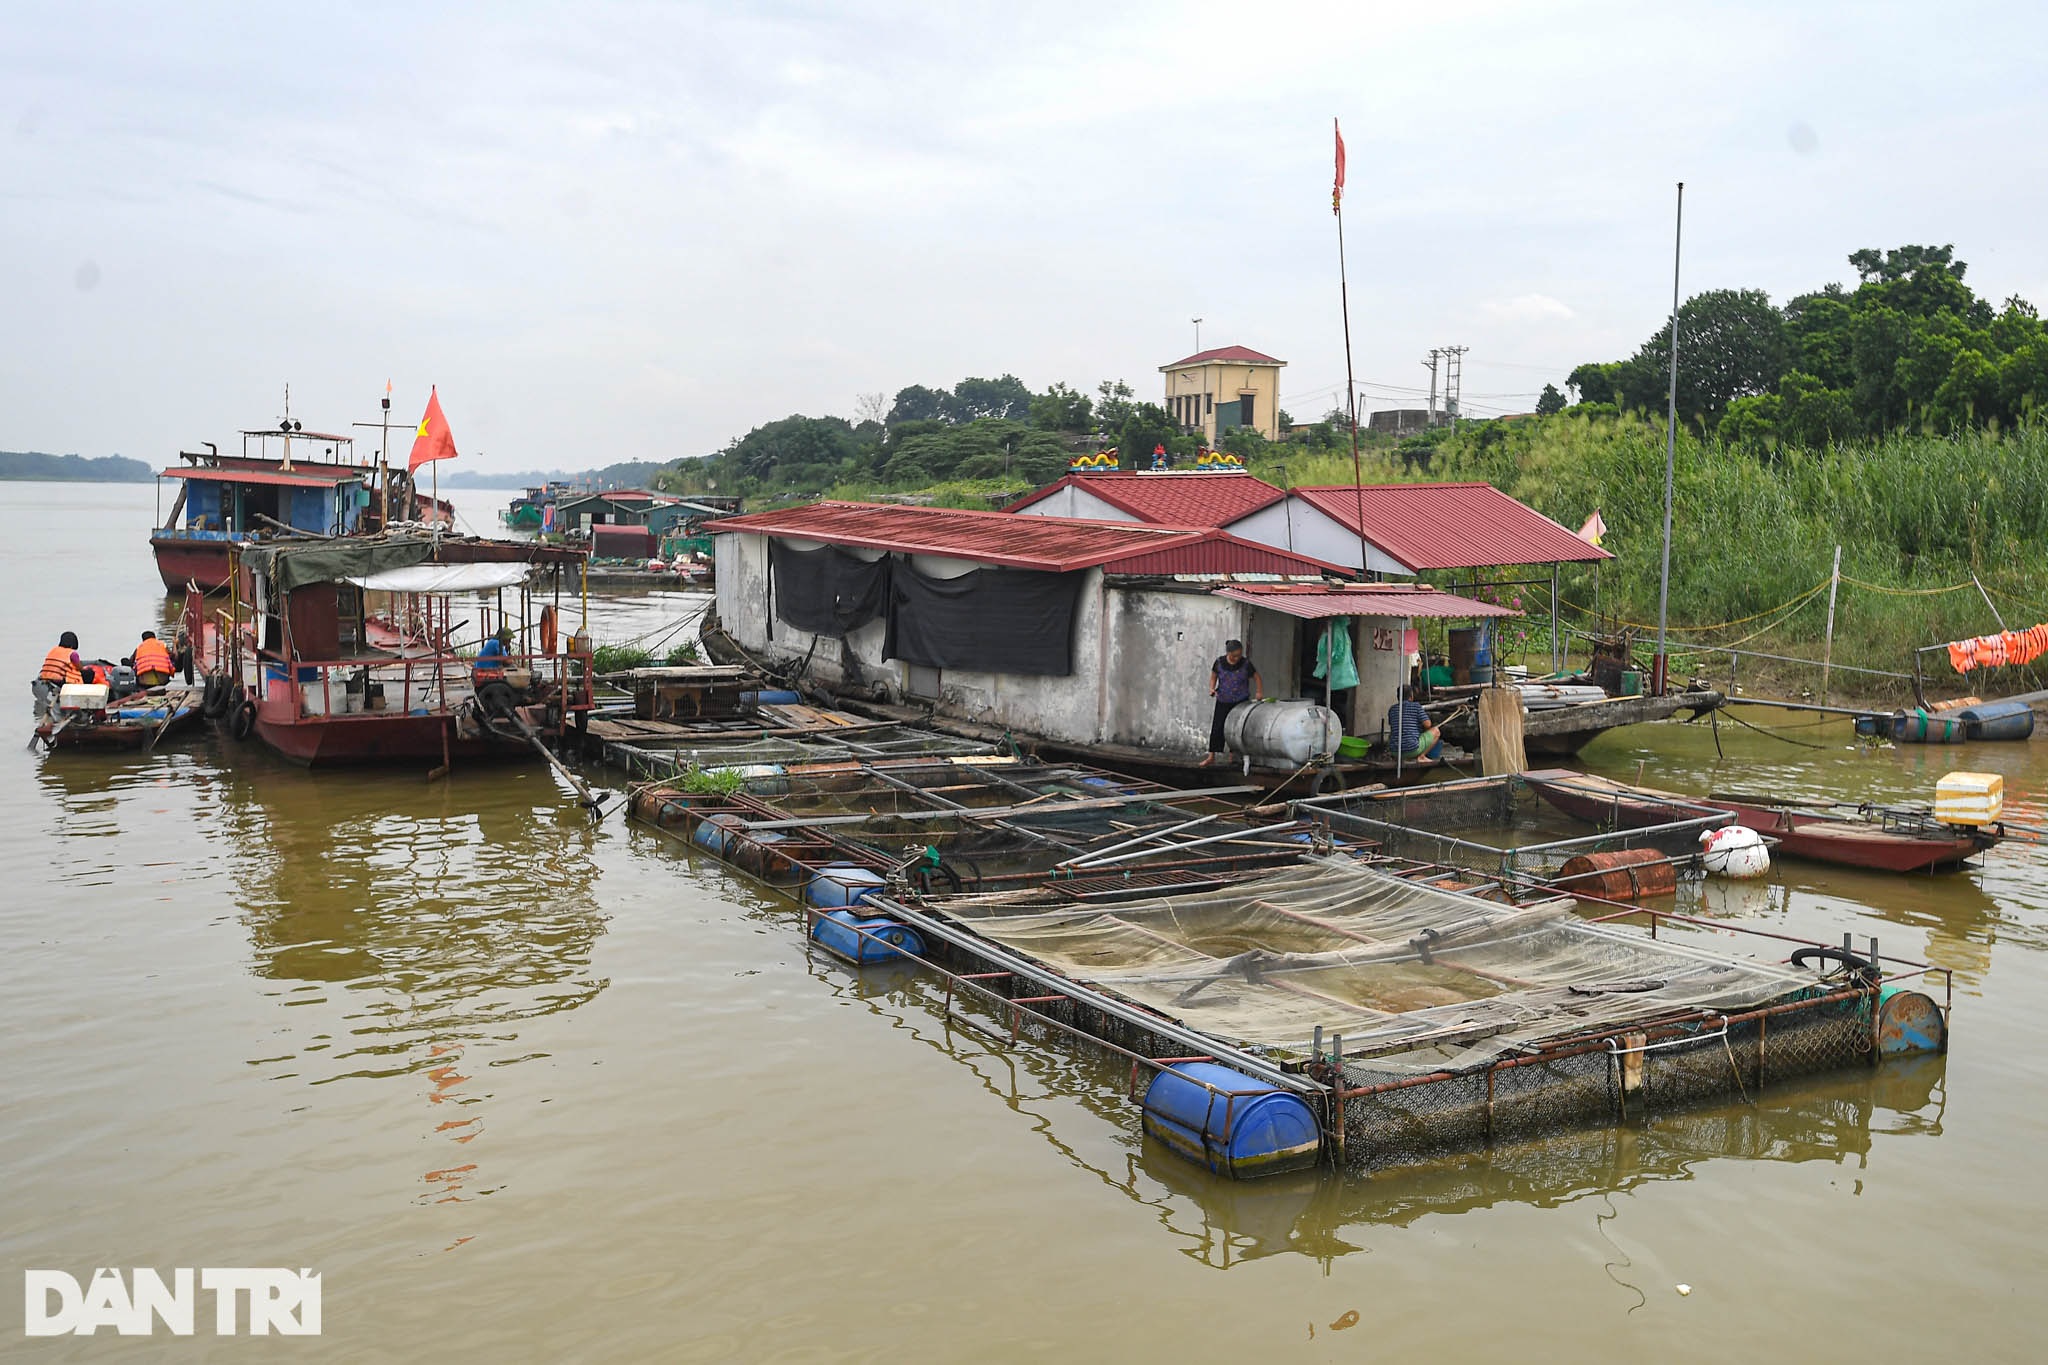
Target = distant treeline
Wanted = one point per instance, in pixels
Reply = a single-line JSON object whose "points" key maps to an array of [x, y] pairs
{"points": [[628, 474], [34, 464]]}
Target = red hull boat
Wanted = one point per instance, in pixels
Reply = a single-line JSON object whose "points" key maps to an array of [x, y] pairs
{"points": [[304, 668], [1881, 840]]}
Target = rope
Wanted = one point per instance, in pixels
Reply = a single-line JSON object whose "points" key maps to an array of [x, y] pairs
{"points": [[1738, 621], [1773, 734], [1906, 592]]}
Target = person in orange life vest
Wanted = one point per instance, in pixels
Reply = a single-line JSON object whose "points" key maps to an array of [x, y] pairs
{"points": [[153, 662], [60, 666]]}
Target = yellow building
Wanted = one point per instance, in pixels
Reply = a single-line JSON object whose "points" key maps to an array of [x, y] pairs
{"points": [[1212, 392]]}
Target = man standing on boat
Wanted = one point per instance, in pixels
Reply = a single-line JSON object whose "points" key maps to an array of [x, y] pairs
{"points": [[1232, 679]]}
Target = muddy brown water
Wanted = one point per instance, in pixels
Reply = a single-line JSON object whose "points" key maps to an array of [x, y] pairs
{"points": [[519, 1090]]}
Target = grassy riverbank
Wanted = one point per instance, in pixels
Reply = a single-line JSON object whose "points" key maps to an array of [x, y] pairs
{"points": [[1753, 537]]}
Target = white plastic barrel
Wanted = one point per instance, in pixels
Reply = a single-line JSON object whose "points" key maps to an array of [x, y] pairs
{"points": [[1735, 851], [1293, 731]]}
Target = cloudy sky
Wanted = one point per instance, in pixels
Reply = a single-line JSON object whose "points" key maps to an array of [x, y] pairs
{"points": [[635, 231]]}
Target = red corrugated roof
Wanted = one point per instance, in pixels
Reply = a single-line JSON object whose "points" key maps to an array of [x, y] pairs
{"points": [[269, 477], [1230, 355], [1450, 525], [1049, 544], [1222, 553], [1171, 499], [1367, 599]]}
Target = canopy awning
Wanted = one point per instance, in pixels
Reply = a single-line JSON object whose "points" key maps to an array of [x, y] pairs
{"points": [[1377, 599], [444, 578], [277, 478]]}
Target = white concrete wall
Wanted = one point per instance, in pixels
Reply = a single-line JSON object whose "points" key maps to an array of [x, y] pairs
{"points": [[1073, 501], [1161, 645], [1140, 656], [1294, 524], [1380, 672]]}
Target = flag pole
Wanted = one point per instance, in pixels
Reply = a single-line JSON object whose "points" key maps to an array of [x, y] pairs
{"points": [[1659, 663], [1350, 385]]}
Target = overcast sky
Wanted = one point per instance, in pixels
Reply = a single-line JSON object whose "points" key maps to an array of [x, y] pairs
{"points": [[635, 231]]}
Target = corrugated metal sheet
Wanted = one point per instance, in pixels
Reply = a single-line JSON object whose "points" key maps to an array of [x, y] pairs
{"points": [[1450, 525], [1222, 553], [1170, 499], [268, 477], [1051, 544], [1390, 599]]}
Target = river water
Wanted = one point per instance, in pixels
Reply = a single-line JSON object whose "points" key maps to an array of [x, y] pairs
{"points": [[522, 1090]]}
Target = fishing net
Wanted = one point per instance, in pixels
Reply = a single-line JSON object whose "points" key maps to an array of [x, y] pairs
{"points": [[1497, 826], [1416, 979]]}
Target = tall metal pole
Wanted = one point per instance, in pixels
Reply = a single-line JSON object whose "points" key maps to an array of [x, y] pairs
{"points": [[1660, 665], [1827, 656], [1350, 384], [384, 466]]}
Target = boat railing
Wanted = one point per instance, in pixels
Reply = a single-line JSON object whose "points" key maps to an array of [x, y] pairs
{"points": [[424, 684]]}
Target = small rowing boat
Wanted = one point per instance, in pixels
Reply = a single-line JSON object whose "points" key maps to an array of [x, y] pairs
{"points": [[1880, 838], [85, 717]]}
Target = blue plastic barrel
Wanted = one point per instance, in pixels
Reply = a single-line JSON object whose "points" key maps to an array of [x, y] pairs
{"points": [[842, 884], [714, 834], [1230, 1123], [843, 933], [1482, 653], [1998, 720], [770, 696]]}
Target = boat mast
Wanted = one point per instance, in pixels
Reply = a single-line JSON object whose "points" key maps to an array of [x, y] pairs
{"points": [[1659, 664], [384, 465]]}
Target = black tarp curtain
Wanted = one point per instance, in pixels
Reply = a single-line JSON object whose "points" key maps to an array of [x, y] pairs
{"points": [[989, 620]]}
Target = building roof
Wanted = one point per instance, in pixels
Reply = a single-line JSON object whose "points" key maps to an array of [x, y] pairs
{"points": [[1316, 601], [1219, 554], [318, 477], [1450, 525], [1180, 498], [1225, 355], [1048, 544]]}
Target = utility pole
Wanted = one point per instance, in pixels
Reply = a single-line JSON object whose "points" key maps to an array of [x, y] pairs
{"points": [[1430, 365], [1454, 380], [1659, 664]]}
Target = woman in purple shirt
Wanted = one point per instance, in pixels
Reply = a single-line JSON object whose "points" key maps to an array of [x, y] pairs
{"points": [[1232, 679]]}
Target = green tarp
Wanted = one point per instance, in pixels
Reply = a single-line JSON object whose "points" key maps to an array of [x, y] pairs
{"points": [[329, 561]]}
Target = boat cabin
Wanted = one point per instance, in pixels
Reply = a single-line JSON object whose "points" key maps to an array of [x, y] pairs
{"points": [[356, 650]]}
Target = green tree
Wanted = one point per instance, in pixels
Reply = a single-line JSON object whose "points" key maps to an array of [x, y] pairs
{"points": [[1597, 383], [1550, 402], [920, 404], [1006, 398], [1731, 344], [1147, 427], [1060, 408], [1113, 404]]}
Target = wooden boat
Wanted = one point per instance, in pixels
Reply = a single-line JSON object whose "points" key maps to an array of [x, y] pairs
{"points": [[1883, 839], [1561, 731], [139, 720], [309, 672]]}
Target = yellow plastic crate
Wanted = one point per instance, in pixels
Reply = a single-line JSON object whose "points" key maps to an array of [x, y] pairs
{"points": [[1969, 798]]}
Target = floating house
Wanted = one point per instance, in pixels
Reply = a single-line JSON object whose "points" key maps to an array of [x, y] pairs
{"points": [[1094, 636]]}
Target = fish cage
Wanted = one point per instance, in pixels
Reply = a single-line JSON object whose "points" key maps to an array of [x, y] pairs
{"points": [[1497, 827], [1423, 1021], [975, 823], [1411, 1008]]}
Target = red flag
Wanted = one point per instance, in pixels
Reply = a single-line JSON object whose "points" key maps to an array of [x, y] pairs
{"points": [[1337, 190], [433, 441]]}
